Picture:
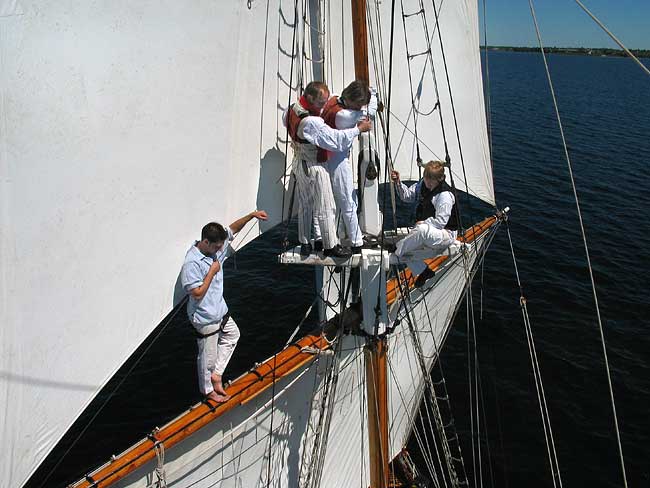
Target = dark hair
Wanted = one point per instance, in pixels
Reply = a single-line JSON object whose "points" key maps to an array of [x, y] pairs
{"points": [[313, 89], [356, 92], [214, 232]]}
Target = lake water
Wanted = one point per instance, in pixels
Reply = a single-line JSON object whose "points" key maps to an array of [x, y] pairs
{"points": [[606, 115]]}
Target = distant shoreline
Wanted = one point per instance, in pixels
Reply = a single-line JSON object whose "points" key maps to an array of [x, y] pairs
{"points": [[581, 51]]}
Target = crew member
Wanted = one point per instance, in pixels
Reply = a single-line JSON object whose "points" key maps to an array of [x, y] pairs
{"points": [[202, 279], [343, 112], [311, 137], [436, 216]]}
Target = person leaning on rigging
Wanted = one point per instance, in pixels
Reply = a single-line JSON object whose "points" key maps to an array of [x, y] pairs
{"points": [[343, 112], [436, 216], [202, 279], [311, 137]]}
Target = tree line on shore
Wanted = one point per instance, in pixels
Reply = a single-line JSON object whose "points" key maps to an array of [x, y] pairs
{"points": [[584, 51]]}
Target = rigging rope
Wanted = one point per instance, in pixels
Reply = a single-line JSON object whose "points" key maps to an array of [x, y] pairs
{"points": [[584, 241], [488, 99], [286, 141], [161, 477], [614, 38], [539, 386], [314, 466], [166, 322], [440, 426]]}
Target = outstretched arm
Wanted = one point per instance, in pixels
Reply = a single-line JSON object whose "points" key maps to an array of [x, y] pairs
{"points": [[239, 224], [317, 132]]}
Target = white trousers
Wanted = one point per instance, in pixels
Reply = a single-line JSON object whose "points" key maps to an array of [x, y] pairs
{"points": [[424, 236], [214, 351], [346, 205], [315, 203]]}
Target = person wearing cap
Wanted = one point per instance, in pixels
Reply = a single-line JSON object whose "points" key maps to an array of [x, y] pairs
{"points": [[202, 279], [436, 215], [311, 137]]}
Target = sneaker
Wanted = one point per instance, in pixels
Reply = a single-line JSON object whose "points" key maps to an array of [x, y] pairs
{"points": [[305, 250], [423, 277], [318, 246], [337, 252]]}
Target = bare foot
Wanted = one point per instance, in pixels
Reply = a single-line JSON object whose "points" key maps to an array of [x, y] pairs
{"points": [[218, 385], [215, 397]]}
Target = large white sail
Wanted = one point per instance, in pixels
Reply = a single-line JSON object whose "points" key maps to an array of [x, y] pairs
{"points": [[125, 127]]}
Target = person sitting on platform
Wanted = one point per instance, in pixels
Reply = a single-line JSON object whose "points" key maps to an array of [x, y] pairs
{"points": [[343, 112], [436, 216], [202, 279], [311, 139]]}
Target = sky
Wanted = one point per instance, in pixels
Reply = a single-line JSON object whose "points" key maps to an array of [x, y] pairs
{"points": [[563, 23]]}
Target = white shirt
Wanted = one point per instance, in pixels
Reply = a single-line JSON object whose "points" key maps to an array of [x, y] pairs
{"points": [[443, 202], [345, 119], [317, 132]]}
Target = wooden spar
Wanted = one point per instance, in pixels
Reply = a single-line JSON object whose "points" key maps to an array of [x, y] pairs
{"points": [[375, 351], [360, 38], [247, 387], [242, 390]]}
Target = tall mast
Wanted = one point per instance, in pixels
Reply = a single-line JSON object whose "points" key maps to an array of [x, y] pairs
{"points": [[376, 348]]}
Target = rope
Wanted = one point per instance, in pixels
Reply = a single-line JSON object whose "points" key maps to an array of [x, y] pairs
{"points": [[321, 432], [286, 142], [167, 321], [584, 240], [488, 96], [408, 62], [269, 449], [302, 321], [161, 481], [456, 482], [539, 386], [614, 38], [266, 38]]}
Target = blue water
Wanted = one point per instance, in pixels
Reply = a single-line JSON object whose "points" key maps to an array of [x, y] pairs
{"points": [[606, 114]]}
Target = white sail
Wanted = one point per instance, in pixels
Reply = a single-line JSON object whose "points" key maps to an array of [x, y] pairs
{"points": [[458, 22], [125, 127]]}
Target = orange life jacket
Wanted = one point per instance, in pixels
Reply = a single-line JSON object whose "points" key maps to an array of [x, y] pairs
{"points": [[303, 147], [331, 108]]}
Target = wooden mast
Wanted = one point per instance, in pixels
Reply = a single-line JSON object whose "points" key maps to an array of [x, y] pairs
{"points": [[375, 350]]}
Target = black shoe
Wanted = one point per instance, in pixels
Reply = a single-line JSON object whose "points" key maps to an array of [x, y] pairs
{"points": [[370, 241], [305, 250], [423, 277], [337, 252], [356, 249], [318, 246]]}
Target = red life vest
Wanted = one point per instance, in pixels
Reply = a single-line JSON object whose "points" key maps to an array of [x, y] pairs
{"points": [[331, 108], [295, 114]]}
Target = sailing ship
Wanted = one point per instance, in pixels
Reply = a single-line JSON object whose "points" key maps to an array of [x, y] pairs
{"points": [[112, 131]]}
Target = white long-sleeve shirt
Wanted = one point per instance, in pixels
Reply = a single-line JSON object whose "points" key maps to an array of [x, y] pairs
{"points": [[443, 202], [317, 132]]}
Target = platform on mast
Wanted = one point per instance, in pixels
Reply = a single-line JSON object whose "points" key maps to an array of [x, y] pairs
{"points": [[369, 256]]}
